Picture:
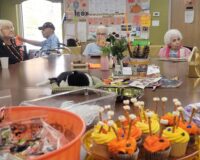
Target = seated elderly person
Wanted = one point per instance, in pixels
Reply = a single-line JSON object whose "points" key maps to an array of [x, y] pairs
{"points": [[174, 49], [94, 49], [8, 47], [47, 45]]}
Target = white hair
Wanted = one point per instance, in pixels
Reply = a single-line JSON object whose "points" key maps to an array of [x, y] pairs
{"points": [[102, 28], [3, 24], [170, 34]]}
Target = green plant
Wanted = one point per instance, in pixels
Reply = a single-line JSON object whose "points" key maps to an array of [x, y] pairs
{"points": [[118, 46], [106, 50], [139, 52]]}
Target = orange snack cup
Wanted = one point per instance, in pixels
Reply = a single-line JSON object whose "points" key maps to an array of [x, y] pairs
{"points": [[18, 41], [69, 122]]}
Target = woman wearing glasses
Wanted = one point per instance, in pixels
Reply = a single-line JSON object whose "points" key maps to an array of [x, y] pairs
{"points": [[94, 49], [8, 47]]}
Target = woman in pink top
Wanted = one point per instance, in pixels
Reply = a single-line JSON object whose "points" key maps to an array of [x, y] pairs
{"points": [[173, 46]]}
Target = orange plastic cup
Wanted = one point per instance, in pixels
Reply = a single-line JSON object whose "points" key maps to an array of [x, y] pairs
{"points": [[18, 41], [68, 121]]}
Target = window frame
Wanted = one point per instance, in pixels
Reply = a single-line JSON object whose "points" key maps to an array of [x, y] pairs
{"points": [[19, 15]]}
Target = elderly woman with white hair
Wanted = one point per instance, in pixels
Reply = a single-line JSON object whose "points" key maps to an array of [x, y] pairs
{"points": [[174, 49], [8, 47], [94, 49]]}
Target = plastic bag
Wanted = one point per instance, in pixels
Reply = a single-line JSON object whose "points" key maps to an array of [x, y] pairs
{"points": [[30, 138], [188, 111], [8, 156]]}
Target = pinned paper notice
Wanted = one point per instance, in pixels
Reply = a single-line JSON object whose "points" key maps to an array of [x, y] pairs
{"points": [[145, 20], [70, 30], [155, 23], [127, 71], [136, 20], [82, 31], [189, 15]]}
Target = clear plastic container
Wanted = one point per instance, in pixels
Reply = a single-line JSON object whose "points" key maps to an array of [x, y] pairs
{"points": [[85, 102]]}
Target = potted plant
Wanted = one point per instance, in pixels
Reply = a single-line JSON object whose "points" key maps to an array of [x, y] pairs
{"points": [[139, 59], [138, 52], [118, 45]]}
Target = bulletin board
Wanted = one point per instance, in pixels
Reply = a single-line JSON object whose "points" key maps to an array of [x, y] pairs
{"points": [[82, 17]]}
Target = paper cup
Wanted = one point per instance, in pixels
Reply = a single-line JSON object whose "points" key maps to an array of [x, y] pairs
{"points": [[133, 156], [160, 155], [100, 151], [4, 62], [178, 149]]}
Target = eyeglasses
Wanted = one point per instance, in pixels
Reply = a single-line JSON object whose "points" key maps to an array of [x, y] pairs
{"points": [[102, 34]]}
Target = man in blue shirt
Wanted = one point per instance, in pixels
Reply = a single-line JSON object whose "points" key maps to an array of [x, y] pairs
{"points": [[51, 41]]}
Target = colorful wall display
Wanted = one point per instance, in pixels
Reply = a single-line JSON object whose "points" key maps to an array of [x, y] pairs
{"points": [[100, 12]]}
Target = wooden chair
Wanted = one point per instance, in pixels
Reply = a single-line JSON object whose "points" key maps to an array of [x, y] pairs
{"points": [[190, 48], [154, 50], [75, 50], [194, 63], [71, 50]]}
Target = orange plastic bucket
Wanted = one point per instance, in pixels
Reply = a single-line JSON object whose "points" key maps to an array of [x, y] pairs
{"points": [[68, 122]]}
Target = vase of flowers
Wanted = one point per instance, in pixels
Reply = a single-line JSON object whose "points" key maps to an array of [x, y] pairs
{"points": [[118, 45]]}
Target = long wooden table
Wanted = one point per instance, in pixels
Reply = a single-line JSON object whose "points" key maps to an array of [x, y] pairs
{"points": [[20, 80]]}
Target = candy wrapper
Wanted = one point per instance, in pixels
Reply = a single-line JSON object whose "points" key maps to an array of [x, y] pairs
{"points": [[30, 138], [8, 156], [188, 111]]}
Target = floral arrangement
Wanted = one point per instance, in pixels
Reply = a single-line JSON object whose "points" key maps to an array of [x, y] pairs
{"points": [[106, 50], [118, 45]]}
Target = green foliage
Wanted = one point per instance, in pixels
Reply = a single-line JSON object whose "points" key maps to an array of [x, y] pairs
{"points": [[106, 50], [118, 46], [140, 52]]}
